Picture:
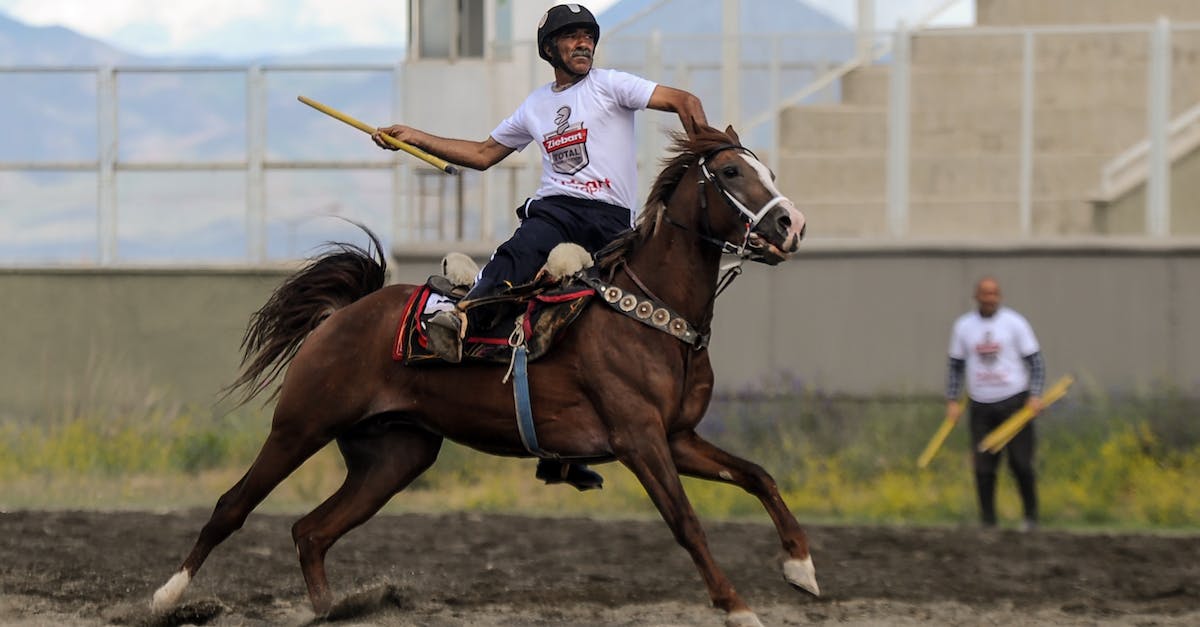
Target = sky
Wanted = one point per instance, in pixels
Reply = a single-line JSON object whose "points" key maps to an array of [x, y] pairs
{"points": [[241, 28]]}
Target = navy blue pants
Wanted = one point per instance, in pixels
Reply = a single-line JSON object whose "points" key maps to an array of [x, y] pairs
{"points": [[546, 223], [984, 418]]}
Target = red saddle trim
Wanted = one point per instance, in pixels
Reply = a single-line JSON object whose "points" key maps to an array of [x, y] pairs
{"points": [[417, 299]]}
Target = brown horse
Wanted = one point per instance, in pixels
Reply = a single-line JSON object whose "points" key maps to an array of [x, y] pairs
{"points": [[612, 389]]}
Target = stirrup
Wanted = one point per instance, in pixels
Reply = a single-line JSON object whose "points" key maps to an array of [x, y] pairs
{"points": [[578, 476], [445, 330]]}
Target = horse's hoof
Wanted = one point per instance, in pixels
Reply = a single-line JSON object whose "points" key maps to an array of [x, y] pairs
{"points": [[322, 606], [168, 595], [801, 574], [742, 618]]}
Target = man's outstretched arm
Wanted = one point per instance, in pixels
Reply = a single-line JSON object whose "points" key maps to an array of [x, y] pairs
{"points": [[471, 154]]}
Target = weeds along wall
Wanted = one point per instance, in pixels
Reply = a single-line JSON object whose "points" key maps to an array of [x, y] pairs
{"points": [[862, 320]]}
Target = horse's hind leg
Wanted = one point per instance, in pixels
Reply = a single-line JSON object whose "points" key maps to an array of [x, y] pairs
{"points": [[696, 457], [378, 465], [282, 453]]}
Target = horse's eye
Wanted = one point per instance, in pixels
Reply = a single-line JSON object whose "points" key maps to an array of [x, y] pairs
{"points": [[729, 172]]}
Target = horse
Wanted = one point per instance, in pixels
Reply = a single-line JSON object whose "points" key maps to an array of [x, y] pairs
{"points": [[612, 389]]}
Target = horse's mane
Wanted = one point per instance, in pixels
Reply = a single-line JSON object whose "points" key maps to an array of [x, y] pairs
{"points": [[686, 150]]}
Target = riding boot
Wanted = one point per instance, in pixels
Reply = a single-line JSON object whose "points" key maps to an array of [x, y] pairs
{"points": [[578, 475], [447, 329]]}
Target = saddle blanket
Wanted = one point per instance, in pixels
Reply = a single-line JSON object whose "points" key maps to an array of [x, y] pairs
{"points": [[543, 316]]}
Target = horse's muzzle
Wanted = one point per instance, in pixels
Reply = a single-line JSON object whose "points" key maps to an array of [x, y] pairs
{"points": [[779, 234]]}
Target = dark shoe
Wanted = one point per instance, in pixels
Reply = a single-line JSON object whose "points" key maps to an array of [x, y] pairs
{"points": [[444, 330], [578, 475]]}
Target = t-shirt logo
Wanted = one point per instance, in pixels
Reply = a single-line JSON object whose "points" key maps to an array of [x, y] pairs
{"points": [[988, 350], [567, 145]]}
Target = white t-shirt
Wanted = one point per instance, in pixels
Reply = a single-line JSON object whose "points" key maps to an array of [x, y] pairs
{"points": [[994, 349], [586, 136]]}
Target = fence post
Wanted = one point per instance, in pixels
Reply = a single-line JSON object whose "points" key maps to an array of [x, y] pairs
{"points": [[648, 142], [773, 137], [401, 179], [106, 181], [899, 120], [1158, 104], [865, 36], [731, 47], [1026, 164], [256, 140]]}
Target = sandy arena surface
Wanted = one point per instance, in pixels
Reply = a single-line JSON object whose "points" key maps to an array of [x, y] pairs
{"points": [[94, 568]]}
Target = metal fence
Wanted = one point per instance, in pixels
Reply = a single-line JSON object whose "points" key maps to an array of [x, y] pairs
{"points": [[244, 171]]}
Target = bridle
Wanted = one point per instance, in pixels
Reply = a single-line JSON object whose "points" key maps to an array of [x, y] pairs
{"points": [[749, 218]]}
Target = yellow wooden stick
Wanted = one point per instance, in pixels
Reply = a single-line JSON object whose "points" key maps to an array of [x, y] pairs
{"points": [[436, 162], [936, 442], [1000, 436]]}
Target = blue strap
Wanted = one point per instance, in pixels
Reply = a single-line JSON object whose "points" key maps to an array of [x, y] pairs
{"points": [[524, 410]]}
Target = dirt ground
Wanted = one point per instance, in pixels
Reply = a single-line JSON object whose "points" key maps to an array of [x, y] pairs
{"points": [[92, 568]]}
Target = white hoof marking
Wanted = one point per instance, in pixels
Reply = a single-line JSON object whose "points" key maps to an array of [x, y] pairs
{"points": [[742, 618], [168, 595], [800, 573]]}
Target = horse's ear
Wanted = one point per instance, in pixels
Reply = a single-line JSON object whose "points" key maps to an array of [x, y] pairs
{"points": [[732, 134]]}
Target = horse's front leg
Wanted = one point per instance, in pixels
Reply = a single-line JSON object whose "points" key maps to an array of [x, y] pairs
{"points": [[648, 456], [696, 457]]}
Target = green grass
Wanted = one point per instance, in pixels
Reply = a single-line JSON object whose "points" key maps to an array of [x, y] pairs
{"points": [[1103, 463]]}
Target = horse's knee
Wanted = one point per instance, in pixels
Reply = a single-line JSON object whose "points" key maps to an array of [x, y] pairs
{"points": [[311, 545], [760, 482]]}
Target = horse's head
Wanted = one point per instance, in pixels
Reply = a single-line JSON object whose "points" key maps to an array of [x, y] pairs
{"points": [[740, 206]]}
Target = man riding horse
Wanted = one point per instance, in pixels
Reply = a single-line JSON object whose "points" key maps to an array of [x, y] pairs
{"points": [[583, 123]]}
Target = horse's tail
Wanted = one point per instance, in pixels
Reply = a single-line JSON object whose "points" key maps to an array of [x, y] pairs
{"points": [[337, 277]]}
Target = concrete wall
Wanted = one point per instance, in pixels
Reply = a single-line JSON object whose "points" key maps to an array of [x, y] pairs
{"points": [[99, 335], [860, 320]]}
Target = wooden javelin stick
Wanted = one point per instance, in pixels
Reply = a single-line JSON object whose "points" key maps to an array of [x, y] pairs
{"points": [[436, 162], [994, 441], [935, 443]]}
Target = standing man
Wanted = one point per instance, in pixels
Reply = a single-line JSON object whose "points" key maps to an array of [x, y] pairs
{"points": [[996, 349], [582, 122]]}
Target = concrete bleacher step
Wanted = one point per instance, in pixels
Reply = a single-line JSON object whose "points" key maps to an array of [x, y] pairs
{"points": [[853, 128], [1044, 12], [946, 218], [946, 48], [833, 177], [1000, 88], [849, 128]]}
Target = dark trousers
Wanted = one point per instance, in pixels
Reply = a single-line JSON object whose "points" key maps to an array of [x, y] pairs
{"points": [[545, 223], [984, 418]]}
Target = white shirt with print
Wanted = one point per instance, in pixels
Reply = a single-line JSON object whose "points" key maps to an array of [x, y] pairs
{"points": [[994, 349], [586, 136]]}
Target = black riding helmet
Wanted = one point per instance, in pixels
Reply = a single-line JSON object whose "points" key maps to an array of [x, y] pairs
{"points": [[561, 17]]}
